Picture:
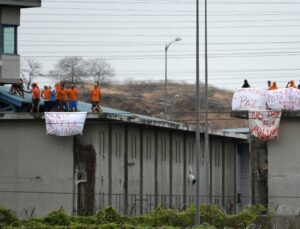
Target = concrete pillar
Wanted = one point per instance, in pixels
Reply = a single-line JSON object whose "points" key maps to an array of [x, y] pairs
{"points": [[171, 168], [110, 165], [184, 169], [155, 167], [126, 172], [141, 169]]}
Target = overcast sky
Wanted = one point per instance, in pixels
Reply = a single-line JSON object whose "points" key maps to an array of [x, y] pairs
{"points": [[257, 40]]}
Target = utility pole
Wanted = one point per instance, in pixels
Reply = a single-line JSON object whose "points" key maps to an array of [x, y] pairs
{"points": [[197, 215], [206, 137]]}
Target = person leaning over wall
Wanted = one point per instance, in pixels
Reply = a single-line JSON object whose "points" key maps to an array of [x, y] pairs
{"points": [[273, 86], [246, 84], [291, 84]]}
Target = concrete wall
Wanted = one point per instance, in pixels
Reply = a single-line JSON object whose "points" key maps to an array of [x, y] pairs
{"points": [[137, 168], [148, 170], [163, 169], [243, 181], [216, 170], [284, 169], [36, 170], [177, 167], [10, 67], [229, 182]]}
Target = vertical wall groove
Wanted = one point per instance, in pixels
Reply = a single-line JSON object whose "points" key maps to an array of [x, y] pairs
{"points": [[141, 169], [110, 165], [126, 171], [155, 168], [171, 168]]}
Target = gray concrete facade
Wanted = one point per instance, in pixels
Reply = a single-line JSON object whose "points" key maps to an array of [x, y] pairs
{"points": [[138, 167], [36, 170], [284, 169]]}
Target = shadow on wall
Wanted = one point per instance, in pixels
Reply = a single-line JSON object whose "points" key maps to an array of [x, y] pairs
{"points": [[84, 173]]}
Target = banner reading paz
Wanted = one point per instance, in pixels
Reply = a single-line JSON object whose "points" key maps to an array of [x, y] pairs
{"points": [[249, 99], [65, 123], [264, 125]]}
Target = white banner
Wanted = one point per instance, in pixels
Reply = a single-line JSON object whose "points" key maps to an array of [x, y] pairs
{"points": [[249, 99], [65, 123], [264, 125], [284, 99]]}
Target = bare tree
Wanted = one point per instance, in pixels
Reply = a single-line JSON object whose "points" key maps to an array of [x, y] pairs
{"points": [[69, 68], [99, 70], [30, 69]]}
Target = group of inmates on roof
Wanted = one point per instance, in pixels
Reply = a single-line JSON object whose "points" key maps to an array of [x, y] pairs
{"points": [[273, 85], [59, 98]]}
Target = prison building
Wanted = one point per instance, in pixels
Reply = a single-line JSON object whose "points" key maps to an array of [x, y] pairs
{"points": [[131, 162]]}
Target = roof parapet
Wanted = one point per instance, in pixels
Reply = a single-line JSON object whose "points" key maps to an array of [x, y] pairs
{"points": [[22, 3]]}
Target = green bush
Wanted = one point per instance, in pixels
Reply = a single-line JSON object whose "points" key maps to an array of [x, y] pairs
{"points": [[213, 215], [87, 220], [57, 218], [245, 217], [108, 215], [7, 217], [165, 217], [33, 223], [109, 226]]}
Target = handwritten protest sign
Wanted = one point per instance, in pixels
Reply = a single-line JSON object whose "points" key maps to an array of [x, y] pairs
{"points": [[284, 99], [65, 123], [249, 99], [264, 125]]}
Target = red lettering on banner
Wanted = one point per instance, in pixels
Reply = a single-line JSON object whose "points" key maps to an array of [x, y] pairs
{"points": [[256, 115]]}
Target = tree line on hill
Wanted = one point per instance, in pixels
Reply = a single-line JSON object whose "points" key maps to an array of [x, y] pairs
{"points": [[74, 69]]}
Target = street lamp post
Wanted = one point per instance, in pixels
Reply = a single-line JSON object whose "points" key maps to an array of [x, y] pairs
{"points": [[166, 69]]}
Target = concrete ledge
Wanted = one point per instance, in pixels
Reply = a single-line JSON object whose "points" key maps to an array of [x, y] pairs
{"points": [[22, 116], [285, 114], [21, 3]]}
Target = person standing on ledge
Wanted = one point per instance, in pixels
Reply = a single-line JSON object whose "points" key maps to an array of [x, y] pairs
{"points": [[73, 97], [63, 98], [46, 94], [246, 84], [95, 97], [35, 98]]}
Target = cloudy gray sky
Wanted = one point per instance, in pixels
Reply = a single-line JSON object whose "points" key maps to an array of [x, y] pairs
{"points": [[257, 40]]}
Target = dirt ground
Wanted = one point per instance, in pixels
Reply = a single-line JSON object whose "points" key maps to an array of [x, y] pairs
{"points": [[149, 99]]}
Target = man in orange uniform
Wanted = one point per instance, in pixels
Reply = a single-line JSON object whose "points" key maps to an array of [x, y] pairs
{"points": [[63, 98], [57, 89], [35, 98], [291, 84], [46, 94], [73, 97], [273, 86], [95, 97]]}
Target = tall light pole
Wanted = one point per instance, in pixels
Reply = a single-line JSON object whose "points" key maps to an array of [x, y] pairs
{"points": [[166, 68], [206, 136], [197, 213]]}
